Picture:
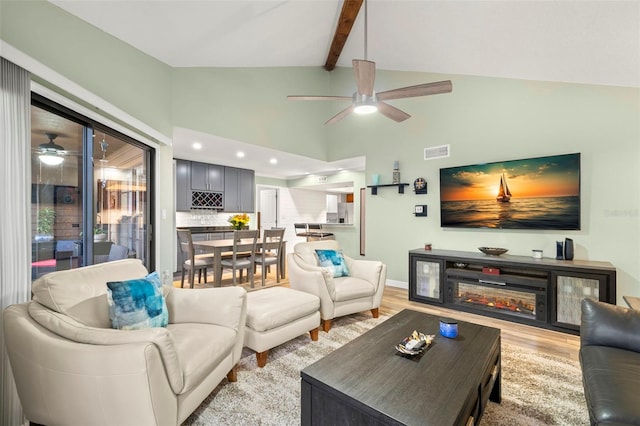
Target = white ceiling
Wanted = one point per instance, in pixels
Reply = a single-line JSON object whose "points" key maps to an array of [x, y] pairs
{"points": [[592, 42], [218, 150]]}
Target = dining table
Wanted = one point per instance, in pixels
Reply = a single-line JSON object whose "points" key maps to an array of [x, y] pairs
{"points": [[217, 247]]}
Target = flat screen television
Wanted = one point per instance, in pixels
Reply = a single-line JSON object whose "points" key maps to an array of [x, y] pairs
{"points": [[534, 193]]}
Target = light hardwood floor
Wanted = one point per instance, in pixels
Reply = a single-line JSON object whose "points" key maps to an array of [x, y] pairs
{"points": [[395, 299], [527, 337]]}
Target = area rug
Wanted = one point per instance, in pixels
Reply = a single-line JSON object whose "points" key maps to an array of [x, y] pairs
{"points": [[536, 389]]}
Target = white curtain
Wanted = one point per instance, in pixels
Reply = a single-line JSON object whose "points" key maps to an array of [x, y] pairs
{"points": [[15, 220]]}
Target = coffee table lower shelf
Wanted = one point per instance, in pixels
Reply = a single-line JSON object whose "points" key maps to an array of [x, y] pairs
{"points": [[366, 382]]}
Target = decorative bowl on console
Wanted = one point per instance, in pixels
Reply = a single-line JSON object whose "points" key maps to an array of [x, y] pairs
{"points": [[493, 251]]}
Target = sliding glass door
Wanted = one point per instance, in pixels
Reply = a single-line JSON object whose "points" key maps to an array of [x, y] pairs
{"points": [[121, 207], [90, 192]]}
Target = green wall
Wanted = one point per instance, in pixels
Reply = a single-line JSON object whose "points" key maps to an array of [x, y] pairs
{"points": [[484, 119], [250, 105], [108, 68], [100, 63], [492, 119]]}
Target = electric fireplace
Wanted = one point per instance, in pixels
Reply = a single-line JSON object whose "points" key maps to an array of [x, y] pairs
{"points": [[541, 292], [499, 298]]}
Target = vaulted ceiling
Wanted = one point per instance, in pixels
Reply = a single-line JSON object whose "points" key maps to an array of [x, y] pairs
{"points": [[591, 42], [595, 42]]}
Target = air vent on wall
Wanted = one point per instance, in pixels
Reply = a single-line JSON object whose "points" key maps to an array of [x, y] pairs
{"points": [[436, 152]]}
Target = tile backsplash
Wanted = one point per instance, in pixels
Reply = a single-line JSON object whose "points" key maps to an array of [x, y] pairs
{"points": [[208, 218]]}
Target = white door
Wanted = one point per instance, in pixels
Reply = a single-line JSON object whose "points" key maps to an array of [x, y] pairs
{"points": [[268, 208]]}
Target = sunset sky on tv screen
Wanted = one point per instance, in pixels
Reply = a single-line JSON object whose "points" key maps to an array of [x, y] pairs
{"points": [[557, 176]]}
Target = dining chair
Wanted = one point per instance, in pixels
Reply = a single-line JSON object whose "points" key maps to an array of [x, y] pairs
{"points": [[191, 261], [243, 253], [271, 252]]}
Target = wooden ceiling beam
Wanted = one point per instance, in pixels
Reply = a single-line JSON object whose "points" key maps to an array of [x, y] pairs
{"points": [[350, 9]]}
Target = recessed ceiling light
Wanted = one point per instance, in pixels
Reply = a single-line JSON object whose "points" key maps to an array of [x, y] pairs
{"points": [[240, 154], [197, 145], [274, 161]]}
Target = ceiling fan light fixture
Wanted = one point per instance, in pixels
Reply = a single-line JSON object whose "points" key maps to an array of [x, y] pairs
{"points": [[365, 109], [364, 104], [51, 159]]}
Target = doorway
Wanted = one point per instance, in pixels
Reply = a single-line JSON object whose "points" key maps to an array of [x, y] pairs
{"points": [[269, 208]]}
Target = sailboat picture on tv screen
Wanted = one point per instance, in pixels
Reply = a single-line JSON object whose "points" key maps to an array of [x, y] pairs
{"points": [[534, 193]]}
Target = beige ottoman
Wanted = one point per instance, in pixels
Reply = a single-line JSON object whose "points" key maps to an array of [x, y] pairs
{"points": [[276, 315]]}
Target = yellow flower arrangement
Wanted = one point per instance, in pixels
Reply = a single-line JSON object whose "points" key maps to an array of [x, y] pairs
{"points": [[239, 221]]}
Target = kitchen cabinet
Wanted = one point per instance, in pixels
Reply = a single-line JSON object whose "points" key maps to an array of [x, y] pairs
{"points": [[207, 177], [211, 186], [183, 185], [239, 190]]}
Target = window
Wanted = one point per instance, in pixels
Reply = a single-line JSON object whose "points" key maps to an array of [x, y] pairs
{"points": [[91, 198]]}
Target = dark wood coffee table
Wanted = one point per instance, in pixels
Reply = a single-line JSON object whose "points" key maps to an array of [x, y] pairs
{"points": [[368, 382]]}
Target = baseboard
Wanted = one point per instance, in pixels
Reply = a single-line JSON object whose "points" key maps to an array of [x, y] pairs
{"points": [[398, 284]]}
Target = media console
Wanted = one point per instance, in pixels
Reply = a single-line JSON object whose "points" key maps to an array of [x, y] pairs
{"points": [[541, 292]]}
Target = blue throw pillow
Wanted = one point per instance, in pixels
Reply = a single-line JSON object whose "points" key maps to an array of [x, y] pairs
{"points": [[136, 304], [333, 261]]}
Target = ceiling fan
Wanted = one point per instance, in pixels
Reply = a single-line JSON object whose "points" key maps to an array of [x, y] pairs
{"points": [[51, 153], [366, 100]]}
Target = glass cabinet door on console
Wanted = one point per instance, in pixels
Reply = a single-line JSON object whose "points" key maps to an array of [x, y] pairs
{"points": [[426, 279], [570, 289]]}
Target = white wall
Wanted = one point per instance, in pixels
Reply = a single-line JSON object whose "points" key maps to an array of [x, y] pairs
{"points": [[297, 205]]}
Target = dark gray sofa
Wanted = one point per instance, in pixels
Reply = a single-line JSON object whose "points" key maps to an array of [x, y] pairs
{"points": [[610, 360]]}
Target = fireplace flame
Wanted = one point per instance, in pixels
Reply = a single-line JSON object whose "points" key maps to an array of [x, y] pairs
{"points": [[499, 303]]}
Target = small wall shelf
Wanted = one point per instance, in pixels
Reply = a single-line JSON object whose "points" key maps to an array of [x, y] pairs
{"points": [[374, 188]]}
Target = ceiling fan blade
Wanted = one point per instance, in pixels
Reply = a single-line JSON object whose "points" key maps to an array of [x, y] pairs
{"points": [[319, 98], [339, 116], [365, 72], [418, 90], [392, 112]]}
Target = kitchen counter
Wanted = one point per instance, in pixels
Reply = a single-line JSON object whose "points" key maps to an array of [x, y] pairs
{"points": [[327, 225], [207, 229]]}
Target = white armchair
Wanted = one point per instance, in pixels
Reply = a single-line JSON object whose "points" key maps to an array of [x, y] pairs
{"points": [[71, 367], [362, 290]]}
